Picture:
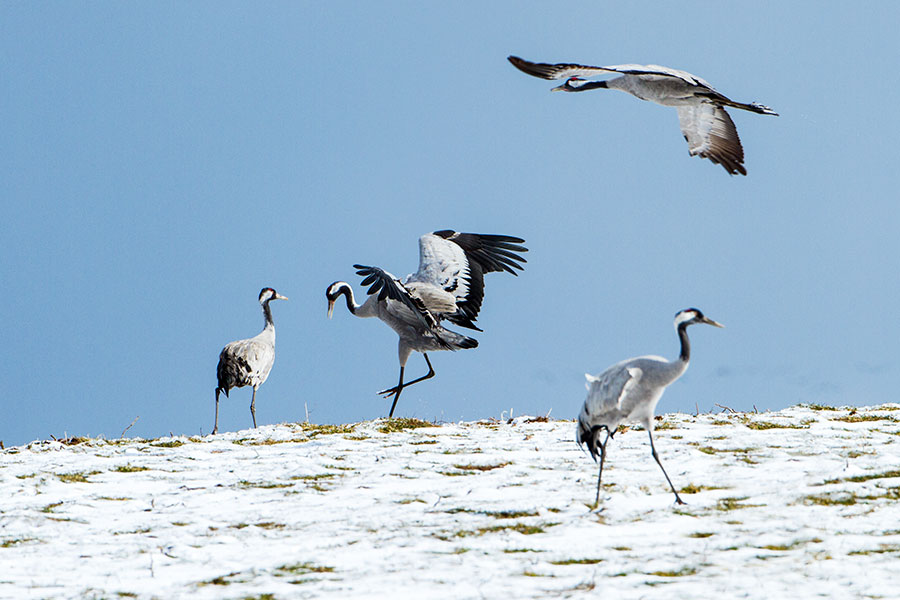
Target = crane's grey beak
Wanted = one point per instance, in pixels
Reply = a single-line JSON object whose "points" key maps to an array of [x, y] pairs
{"points": [[559, 88], [280, 297], [330, 307], [713, 323]]}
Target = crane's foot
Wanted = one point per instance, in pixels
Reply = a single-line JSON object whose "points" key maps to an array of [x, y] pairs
{"points": [[389, 392]]}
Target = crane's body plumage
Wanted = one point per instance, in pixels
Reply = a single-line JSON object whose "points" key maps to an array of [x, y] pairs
{"points": [[248, 362], [706, 126], [448, 286], [629, 391]]}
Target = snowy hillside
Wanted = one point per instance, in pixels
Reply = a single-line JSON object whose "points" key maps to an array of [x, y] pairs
{"points": [[801, 503]]}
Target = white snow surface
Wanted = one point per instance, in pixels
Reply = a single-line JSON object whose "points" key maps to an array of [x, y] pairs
{"points": [[800, 503]]}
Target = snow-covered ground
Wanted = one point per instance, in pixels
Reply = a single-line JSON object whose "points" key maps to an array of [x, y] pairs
{"points": [[801, 503]]}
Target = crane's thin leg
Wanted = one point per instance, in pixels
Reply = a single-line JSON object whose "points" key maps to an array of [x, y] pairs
{"points": [[600, 474], [402, 385], [398, 389], [678, 499], [216, 426], [253, 407]]}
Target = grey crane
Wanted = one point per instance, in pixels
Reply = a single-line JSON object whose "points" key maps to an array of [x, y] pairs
{"points": [[707, 128], [628, 392], [248, 362], [449, 286]]}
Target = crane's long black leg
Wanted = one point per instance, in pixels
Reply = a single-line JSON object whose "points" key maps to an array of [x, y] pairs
{"points": [[428, 375], [656, 457], [253, 407], [216, 426], [399, 389], [600, 474]]}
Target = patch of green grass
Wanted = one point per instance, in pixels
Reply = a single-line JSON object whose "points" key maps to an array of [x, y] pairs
{"points": [[865, 477], [711, 450], [577, 561], [822, 407], [313, 430], [664, 425], [116, 498], [27, 476], [528, 573], [169, 444], [269, 441], [830, 500], [316, 477], [733, 503], [456, 473], [621, 548], [269, 525], [49, 508], [357, 437], [221, 579], [481, 467], [260, 597], [302, 568], [882, 549], [180, 524], [74, 440], [497, 514], [519, 550], [10, 542], [129, 468], [683, 572], [402, 424], [423, 442], [509, 514], [410, 501], [701, 534], [522, 528], [763, 425], [695, 489], [262, 484], [77, 477], [126, 595], [857, 418]]}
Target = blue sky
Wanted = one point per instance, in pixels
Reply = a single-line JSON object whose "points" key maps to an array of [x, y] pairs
{"points": [[162, 162]]}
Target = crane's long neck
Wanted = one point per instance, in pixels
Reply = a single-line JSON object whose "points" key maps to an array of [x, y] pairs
{"points": [[269, 330], [685, 355], [367, 309], [587, 85], [347, 292]]}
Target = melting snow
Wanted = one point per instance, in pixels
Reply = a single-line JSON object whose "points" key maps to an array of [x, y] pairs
{"points": [[800, 503]]}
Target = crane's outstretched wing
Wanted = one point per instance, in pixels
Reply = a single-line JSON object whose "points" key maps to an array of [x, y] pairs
{"points": [[389, 288], [710, 133], [457, 262], [567, 70]]}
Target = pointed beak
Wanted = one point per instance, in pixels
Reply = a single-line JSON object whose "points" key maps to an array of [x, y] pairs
{"points": [[559, 88], [280, 297], [713, 323], [330, 307]]}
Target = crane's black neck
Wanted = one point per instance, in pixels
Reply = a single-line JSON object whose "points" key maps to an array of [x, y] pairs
{"points": [[685, 355], [267, 312], [348, 296], [589, 85]]}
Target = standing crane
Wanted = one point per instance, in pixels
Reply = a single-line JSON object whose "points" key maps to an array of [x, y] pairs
{"points": [[707, 128], [629, 391], [248, 362], [449, 286]]}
